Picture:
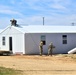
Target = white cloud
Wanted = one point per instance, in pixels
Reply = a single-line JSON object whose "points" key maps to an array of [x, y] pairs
{"points": [[56, 12], [33, 20], [4, 7], [8, 10], [38, 20], [55, 20], [47, 5], [4, 22], [58, 6], [40, 5], [13, 1]]}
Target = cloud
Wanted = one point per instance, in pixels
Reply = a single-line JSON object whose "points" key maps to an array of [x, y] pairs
{"points": [[4, 22], [38, 20], [54, 20], [8, 10], [13, 1], [56, 12], [51, 6], [38, 7], [58, 6]]}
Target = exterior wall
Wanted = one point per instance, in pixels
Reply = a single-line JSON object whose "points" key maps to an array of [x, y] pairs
{"points": [[17, 40], [18, 44], [33, 39], [28, 43], [6, 48]]}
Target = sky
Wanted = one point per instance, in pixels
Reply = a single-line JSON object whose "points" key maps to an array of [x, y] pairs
{"points": [[31, 12]]}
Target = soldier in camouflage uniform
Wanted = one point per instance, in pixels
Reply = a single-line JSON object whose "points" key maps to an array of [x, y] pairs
{"points": [[13, 22], [50, 48], [41, 48]]}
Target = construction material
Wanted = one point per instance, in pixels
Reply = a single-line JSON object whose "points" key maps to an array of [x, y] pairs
{"points": [[72, 51]]}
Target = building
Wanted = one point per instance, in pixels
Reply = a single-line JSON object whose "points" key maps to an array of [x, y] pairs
{"points": [[26, 39]]}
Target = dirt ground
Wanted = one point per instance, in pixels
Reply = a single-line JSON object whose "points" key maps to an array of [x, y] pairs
{"points": [[41, 65]]}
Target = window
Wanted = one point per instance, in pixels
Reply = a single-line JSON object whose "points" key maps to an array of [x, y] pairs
{"points": [[3, 40], [43, 39], [64, 39]]}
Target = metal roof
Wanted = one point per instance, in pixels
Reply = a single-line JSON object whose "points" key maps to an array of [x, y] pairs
{"points": [[46, 29]]}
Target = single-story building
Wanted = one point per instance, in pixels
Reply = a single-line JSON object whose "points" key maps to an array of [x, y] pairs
{"points": [[26, 39]]}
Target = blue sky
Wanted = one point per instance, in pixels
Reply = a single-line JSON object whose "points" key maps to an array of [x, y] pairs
{"points": [[31, 12]]}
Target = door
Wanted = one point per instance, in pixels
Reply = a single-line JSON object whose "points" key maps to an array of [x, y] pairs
{"points": [[10, 43]]}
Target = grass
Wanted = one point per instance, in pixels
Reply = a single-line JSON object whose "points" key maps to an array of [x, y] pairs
{"points": [[72, 56], [8, 71]]}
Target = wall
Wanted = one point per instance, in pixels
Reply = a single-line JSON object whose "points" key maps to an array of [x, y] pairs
{"points": [[29, 43], [33, 39], [17, 40]]}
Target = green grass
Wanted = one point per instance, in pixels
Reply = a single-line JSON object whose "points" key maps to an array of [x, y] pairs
{"points": [[8, 71]]}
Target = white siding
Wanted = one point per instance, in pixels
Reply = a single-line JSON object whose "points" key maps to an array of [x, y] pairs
{"points": [[33, 39], [5, 47], [17, 40], [18, 43], [32, 43], [28, 43]]}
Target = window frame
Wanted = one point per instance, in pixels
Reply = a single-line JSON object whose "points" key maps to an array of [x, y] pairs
{"points": [[64, 39], [3, 41], [43, 39]]}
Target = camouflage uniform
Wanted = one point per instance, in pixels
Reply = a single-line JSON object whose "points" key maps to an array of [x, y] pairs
{"points": [[13, 22], [50, 48], [41, 47]]}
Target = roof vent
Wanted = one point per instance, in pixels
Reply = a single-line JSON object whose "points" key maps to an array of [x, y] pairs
{"points": [[13, 22]]}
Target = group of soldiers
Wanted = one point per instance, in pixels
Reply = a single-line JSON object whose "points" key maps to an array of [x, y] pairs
{"points": [[50, 48]]}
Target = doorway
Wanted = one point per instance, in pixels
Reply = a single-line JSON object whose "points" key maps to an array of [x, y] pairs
{"points": [[10, 43]]}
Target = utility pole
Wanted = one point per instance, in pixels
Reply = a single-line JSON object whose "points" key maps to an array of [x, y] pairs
{"points": [[43, 20]]}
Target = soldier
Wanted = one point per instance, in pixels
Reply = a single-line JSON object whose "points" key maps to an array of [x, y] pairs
{"points": [[41, 47], [13, 22], [50, 48]]}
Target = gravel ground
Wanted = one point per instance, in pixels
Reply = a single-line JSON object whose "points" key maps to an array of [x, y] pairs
{"points": [[41, 65]]}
